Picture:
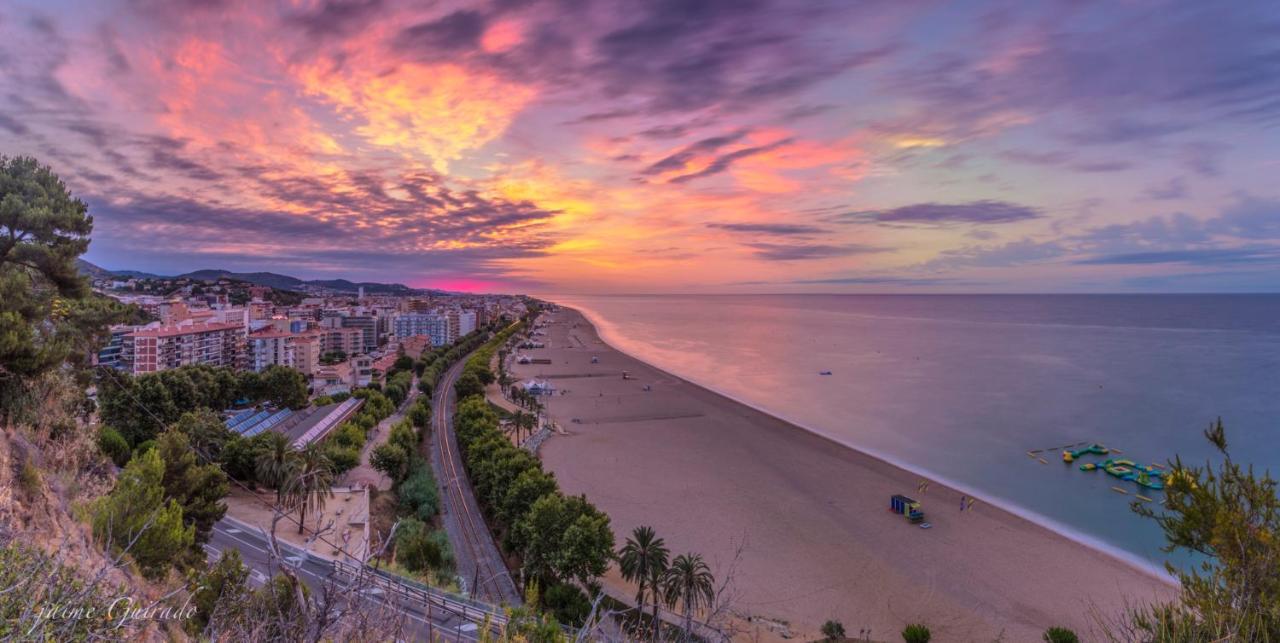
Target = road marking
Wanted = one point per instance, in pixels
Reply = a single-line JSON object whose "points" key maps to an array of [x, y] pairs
{"points": [[233, 530], [242, 541]]}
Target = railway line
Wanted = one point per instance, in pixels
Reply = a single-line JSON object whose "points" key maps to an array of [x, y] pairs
{"points": [[488, 578]]}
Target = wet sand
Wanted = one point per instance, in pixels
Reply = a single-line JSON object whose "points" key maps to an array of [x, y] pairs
{"points": [[818, 542]]}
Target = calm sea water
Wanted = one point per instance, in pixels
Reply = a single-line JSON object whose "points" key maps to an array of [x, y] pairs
{"points": [[961, 387]]}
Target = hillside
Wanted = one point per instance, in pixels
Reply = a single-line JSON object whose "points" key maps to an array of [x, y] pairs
{"points": [[271, 279]]}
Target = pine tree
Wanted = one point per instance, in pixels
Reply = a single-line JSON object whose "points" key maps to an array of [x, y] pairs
{"points": [[136, 518], [199, 488]]}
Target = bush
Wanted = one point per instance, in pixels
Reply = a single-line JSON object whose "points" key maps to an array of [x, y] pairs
{"points": [[1060, 635], [344, 458], [419, 494], [567, 603], [29, 478], [349, 435], [114, 446], [420, 549], [833, 629], [916, 633]]}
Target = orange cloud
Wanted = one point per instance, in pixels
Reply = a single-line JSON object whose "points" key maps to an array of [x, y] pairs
{"points": [[440, 111]]}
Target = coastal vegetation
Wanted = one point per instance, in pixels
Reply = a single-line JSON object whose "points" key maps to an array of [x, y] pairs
{"points": [[1060, 635], [832, 630], [563, 543], [916, 633], [1230, 516]]}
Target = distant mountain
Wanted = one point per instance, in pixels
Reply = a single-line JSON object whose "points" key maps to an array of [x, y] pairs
{"points": [[92, 271], [98, 272], [286, 282], [271, 279], [281, 282]]}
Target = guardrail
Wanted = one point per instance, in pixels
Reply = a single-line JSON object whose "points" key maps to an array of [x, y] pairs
{"points": [[473, 611]]}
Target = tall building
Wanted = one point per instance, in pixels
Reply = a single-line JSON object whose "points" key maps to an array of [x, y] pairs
{"points": [[431, 325], [274, 346], [345, 340], [368, 324], [461, 322], [149, 350]]}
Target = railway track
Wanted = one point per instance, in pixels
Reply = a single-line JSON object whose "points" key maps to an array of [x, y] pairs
{"points": [[491, 579]]}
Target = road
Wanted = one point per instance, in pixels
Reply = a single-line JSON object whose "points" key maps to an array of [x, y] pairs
{"points": [[480, 564], [422, 621]]}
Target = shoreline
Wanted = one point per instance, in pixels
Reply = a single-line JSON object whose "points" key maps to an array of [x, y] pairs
{"points": [[606, 332], [801, 519]]}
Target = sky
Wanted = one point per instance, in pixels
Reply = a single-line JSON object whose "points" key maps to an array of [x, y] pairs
{"points": [[665, 145]]}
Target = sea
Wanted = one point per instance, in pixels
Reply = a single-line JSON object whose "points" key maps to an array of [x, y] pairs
{"points": [[959, 388]]}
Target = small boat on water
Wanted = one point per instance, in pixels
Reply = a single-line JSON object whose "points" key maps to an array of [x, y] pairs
{"points": [[824, 372]]}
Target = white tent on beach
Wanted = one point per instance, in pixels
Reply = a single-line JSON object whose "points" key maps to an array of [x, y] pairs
{"points": [[538, 387]]}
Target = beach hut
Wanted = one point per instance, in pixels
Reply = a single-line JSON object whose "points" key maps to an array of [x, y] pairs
{"points": [[905, 506]]}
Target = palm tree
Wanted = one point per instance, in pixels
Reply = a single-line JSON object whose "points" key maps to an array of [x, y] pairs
{"points": [[310, 482], [273, 465], [643, 559], [524, 421], [689, 581]]}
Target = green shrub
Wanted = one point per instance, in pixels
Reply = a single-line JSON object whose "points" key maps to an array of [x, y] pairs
{"points": [[114, 446], [833, 629], [349, 435], [568, 604], [916, 633], [419, 494], [1060, 635], [420, 549], [344, 458], [29, 478]]}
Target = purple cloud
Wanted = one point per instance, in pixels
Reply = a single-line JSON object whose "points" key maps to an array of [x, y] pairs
{"points": [[942, 213]]}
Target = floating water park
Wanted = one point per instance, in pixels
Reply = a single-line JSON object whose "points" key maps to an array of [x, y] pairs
{"points": [[1151, 476]]}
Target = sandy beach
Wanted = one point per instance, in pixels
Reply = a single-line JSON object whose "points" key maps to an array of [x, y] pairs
{"points": [[818, 542]]}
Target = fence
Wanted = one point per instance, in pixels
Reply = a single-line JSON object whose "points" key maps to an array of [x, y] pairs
{"points": [[470, 610]]}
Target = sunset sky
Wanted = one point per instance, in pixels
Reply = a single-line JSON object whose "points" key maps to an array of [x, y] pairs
{"points": [[665, 146]]}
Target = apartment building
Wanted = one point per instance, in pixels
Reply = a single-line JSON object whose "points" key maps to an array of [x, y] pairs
{"points": [[432, 325], [159, 348], [368, 325], [345, 340], [277, 346]]}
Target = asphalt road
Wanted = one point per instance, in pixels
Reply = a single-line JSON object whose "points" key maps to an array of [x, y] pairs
{"points": [[421, 623]]}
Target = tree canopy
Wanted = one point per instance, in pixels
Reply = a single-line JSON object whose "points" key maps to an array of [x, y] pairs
{"points": [[47, 313]]}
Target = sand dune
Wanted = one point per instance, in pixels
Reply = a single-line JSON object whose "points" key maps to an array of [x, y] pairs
{"points": [[709, 473]]}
